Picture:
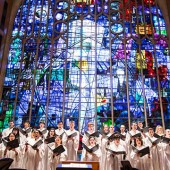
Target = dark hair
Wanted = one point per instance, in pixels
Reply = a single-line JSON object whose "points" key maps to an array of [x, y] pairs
{"points": [[60, 121], [10, 134], [27, 121], [48, 135], [116, 136], [15, 128]]}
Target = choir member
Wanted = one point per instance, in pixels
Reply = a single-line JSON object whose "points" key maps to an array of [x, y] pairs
{"points": [[153, 142], [159, 130], [13, 153], [122, 130], [60, 131], [141, 163], [104, 143], [72, 142], [26, 131], [130, 137], [140, 125], [49, 139], [42, 129], [90, 131], [114, 154], [54, 157], [8, 130], [51, 133], [164, 150], [92, 152], [111, 130], [34, 154]]}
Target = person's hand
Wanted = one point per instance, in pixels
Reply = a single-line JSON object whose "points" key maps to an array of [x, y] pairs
{"points": [[138, 154]]}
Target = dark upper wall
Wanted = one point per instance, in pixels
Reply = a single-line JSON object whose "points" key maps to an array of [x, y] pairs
{"points": [[5, 12]]}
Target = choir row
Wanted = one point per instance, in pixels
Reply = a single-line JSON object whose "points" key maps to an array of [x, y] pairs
{"points": [[40, 149]]}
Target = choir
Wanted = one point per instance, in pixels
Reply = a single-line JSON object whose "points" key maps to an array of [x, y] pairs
{"points": [[42, 149]]}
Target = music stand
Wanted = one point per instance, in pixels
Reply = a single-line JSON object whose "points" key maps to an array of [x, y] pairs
{"points": [[127, 166], [5, 163]]}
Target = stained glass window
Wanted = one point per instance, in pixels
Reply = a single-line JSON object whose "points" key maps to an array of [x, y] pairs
{"points": [[105, 61]]}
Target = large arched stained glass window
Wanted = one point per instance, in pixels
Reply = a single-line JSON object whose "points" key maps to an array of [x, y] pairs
{"points": [[105, 61]]}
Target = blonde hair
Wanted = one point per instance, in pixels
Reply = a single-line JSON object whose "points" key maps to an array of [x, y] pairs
{"points": [[157, 130]]}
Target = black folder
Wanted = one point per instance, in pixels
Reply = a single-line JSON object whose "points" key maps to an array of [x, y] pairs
{"points": [[95, 134], [116, 152], [156, 135], [61, 134], [44, 131], [36, 145], [142, 152], [50, 140], [24, 132], [11, 144], [104, 134], [136, 135], [91, 150], [118, 134], [155, 142], [72, 135], [58, 150], [165, 140], [144, 130]]}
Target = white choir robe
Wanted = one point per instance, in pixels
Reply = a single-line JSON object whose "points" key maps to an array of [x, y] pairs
{"points": [[104, 144], [95, 156], [114, 162], [55, 160], [154, 153], [72, 145], [24, 137], [11, 154], [141, 163], [64, 137], [163, 152], [167, 156], [34, 157], [45, 134], [2, 148], [45, 157], [6, 132]]}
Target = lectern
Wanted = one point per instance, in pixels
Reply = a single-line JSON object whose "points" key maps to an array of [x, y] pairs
{"points": [[74, 166]]}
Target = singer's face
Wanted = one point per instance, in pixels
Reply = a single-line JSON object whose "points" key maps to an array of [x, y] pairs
{"points": [[92, 141], [168, 133], [42, 125], [138, 142], [72, 125], [106, 128], [57, 140], [26, 125], [134, 126], [11, 137], [151, 132], [11, 124], [91, 127], [51, 132], [117, 141], [60, 125]]}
